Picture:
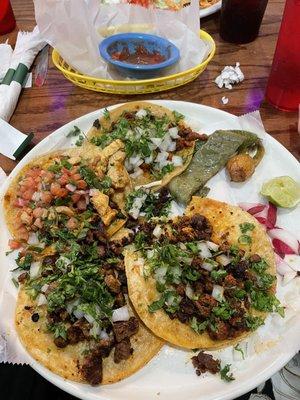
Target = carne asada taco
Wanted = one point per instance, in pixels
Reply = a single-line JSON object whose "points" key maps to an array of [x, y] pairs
{"points": [[158, 144], [69, 185], [204, 280]]}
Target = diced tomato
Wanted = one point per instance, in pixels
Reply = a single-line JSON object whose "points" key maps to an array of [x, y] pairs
{"points": [[81, 184], [64, 179], [65, 171], [28, 194], [38, 223], [76, 177], [46, 197], [20, 202], [55, 188], [14, 244], [75, 197]]}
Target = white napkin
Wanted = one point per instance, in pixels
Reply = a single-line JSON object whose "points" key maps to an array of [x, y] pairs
{"points": [[13, 142], [27, 46], [5, 57]]}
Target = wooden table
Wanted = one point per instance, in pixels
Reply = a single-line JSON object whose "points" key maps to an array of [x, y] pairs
{"points": [[45, 109]]}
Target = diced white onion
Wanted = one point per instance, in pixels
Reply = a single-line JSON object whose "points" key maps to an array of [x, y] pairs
{"points": [[137, 205], [293, 261], [95, 331], [41, 300], [156, 141], [71, 187], [175, 209], [120, 314], [182, 246], [148, 160], [223, 260], [44, 287], [218, 292], [204, 250], [136, 173], [177, 161], [189, 292], [172, 146], [170, 300], [36, 196], [79, 314], [157, 231], [150, 253], [94, 192], [104, 335], [136, 161], [33, 239], [208, 266], [162, 157], [212, 246], [88, 317], [165, 144], [160, 273], [173, 132], [141, 113], [35, 269]]}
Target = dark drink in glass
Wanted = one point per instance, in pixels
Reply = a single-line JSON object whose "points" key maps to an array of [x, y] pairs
{"points": [[283, 89], [241, 19]]}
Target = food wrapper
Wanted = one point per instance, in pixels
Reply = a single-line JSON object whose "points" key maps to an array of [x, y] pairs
{"points": [[264, 339], [76, 28]]}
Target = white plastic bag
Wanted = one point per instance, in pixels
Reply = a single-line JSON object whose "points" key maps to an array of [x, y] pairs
{"points": [[76, 27]]}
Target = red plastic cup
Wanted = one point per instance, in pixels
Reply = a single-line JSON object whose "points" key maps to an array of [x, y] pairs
{"points": [[283, 89], [7, 18]]}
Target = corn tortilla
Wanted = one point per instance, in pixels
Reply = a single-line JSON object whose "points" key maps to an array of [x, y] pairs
{"points": [[225, 220]]}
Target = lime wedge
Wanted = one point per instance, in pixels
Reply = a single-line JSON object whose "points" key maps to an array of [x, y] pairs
{"points": [[282, 191]]}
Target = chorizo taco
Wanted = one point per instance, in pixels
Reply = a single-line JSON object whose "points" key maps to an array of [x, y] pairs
{"points": [[205, 280], [158, 143]]}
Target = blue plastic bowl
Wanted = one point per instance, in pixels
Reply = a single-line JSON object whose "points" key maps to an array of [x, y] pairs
{"points": [[152, 43]]}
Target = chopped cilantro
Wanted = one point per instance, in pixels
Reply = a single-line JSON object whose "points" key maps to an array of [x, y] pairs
{"points": [[93, 180], [218, 274], [223, 311], [259, 267], [239, 293], [245, 239], [165, 170], [24, 262], [59, 330], [157, 305], [79, 141], [15, 282], [106, 113], [238, 348], [246, 226], [178, 116], [253, 323], [139, 240], [75, 131], [197, 326], [264, 301], [225, 375]]}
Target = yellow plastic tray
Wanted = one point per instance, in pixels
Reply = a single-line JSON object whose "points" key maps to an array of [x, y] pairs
{"points": [[137, 86]]}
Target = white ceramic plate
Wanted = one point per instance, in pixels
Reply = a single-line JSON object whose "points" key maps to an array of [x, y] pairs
{"points": [[204, 12], [170, 374]]}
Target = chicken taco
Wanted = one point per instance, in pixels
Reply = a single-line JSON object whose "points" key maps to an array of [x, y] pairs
{"points": [[158, 143], [204, 280], [69, 185]]}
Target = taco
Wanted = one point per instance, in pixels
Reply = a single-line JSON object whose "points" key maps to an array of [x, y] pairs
{"points": [[158, 143], [205, 280], [67, 186]]}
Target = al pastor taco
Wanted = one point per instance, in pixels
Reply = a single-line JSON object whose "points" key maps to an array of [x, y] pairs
{"points": [[158, 143]]}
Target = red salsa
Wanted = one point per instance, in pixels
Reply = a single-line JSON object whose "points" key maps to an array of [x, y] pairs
{"points": [[141, 56]]}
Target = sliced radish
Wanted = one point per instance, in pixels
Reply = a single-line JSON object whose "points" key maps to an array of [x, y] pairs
{"points": [[252, 208], [284, 241], [288, 277], [282, 266], [293, 261], [272, 214]]}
